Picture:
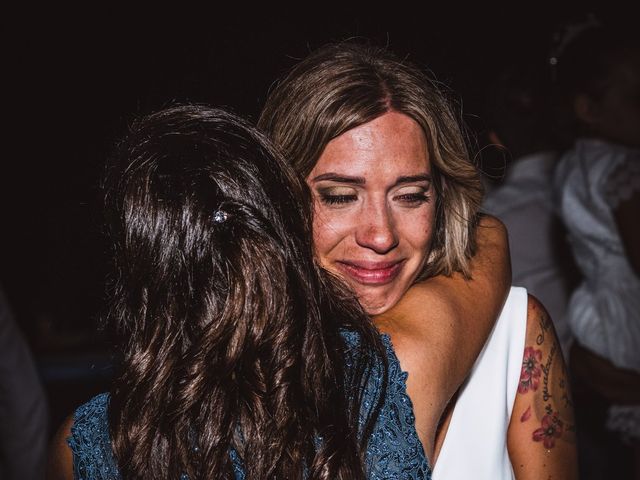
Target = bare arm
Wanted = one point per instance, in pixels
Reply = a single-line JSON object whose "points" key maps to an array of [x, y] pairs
{"points": [[60, 461], [541, 436], [458, 314], [441, 324], [468, 309]]}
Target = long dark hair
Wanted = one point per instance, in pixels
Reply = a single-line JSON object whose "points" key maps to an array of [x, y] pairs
{"points": [[231, 333]]}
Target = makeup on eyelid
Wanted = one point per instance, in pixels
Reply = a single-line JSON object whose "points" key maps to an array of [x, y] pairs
{"points": [[410, 195]]}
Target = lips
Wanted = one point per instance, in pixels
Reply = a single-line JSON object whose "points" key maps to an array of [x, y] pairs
{"points": [[371, 273]]}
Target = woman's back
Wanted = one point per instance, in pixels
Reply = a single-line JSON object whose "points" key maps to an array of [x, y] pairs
{"points": [[229, 333], [393, 449]]}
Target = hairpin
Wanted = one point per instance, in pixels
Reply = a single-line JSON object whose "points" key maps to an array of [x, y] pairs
{"points": [[220, 216]]}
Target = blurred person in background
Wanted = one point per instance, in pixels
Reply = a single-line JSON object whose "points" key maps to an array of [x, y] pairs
{"points": [[24, 413], [597, 72]]}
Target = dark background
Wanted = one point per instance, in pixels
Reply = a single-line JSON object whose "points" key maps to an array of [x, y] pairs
{"points": [[76, 78]]}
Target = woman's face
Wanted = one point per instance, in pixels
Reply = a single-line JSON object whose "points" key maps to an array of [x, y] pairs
{"points": [[374, 208]]}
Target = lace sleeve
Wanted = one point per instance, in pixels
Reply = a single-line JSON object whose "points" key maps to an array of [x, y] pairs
{"points": [[90, 443], [394, 449], [623, 182]]}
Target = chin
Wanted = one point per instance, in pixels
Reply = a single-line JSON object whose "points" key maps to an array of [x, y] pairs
{"points": [[375, 305]]}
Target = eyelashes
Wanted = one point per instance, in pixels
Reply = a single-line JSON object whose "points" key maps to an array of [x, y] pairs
{"points": [[329, 199], [414, 198], [408, 199]]}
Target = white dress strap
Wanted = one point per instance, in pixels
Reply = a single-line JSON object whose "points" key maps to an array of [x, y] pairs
{"points": [[476, 442]]}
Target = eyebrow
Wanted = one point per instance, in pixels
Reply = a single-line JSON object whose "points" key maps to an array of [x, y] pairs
{"points": [[335, 177], [424, 177]]}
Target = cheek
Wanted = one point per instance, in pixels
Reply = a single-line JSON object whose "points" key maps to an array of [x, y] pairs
{"points": [[418, 233], [419, 226], [321, 237], [329, 231]]}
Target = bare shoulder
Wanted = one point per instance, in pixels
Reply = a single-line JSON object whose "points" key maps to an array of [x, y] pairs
{"points": [[489, 221], [60, 457], [492, 243], [449, 302], [541, 436]]}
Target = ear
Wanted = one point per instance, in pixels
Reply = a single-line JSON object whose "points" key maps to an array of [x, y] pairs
{"points": [[585, 109]]}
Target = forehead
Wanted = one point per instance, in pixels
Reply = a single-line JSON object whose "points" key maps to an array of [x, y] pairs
{"points": [[390, 145]]}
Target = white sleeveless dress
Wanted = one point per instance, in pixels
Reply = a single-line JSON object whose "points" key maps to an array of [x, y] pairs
{"points": [[475, 446]]}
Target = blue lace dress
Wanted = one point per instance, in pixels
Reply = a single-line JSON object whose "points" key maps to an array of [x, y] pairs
{"points": [[394, 450]]}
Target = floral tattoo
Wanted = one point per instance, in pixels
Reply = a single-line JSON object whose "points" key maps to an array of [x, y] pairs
{"points": [[550, 429], [534, 371], [531, 370]]}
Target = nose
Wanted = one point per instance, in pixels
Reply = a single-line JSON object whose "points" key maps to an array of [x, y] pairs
{"points": [[377, 230]]}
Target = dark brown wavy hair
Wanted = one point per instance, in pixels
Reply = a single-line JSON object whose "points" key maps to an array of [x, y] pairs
{"points": [[231, 333]]}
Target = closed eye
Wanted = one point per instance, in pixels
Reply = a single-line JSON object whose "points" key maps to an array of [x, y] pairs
{"points": [[337, 199], [337, 195], [413, 199]]}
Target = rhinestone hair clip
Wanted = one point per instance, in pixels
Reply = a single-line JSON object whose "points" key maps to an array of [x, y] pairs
{"points": [[220, 216]]}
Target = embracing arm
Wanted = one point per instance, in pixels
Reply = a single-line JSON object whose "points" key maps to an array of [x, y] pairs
{"points": [[459, 313], [442, 323], [60, 461], [541, 436], [468, 308]]}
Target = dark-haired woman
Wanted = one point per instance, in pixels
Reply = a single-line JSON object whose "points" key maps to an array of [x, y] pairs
{"points": [[241, 357]]}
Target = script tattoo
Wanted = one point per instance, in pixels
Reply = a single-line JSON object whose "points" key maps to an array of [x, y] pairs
{"points": [[545, 325], [545, 370]]}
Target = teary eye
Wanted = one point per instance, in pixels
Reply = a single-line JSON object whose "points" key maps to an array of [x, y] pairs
{"points": [[338, 199], [412, 196], [337, 195]]}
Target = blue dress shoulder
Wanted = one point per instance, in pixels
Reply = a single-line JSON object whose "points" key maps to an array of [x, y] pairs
{"points": [[394, 450]]}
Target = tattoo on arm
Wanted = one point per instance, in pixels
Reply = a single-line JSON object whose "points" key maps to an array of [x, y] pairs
{"points": [[545, 325], [552, 404]]}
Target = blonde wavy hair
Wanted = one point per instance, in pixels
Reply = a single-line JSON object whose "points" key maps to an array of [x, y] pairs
{"points": [[342, 86]]}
